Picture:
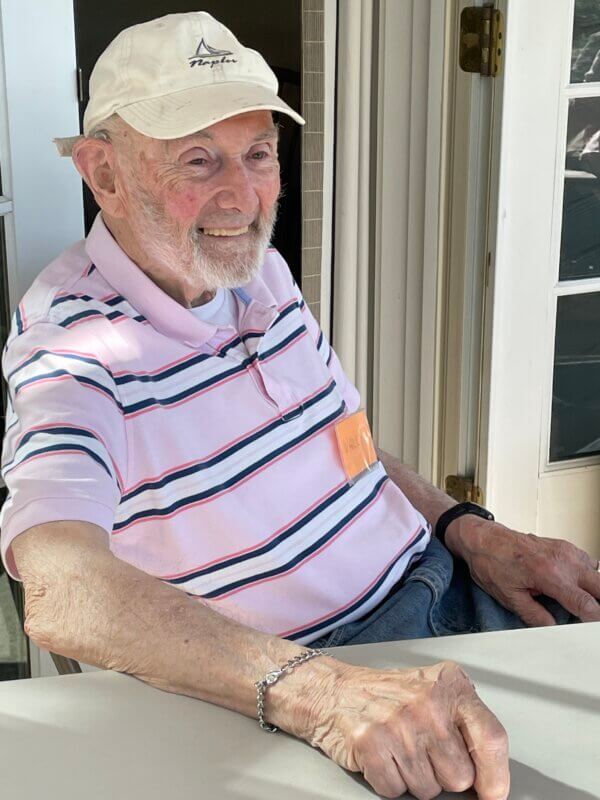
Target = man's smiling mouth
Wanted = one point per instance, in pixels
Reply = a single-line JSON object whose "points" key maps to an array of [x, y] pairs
{"points": [[225, 231]]}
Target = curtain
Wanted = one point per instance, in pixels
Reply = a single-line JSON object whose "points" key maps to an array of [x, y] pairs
{"points": [[356, 103]]}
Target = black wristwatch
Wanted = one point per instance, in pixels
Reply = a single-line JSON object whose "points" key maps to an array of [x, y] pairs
{"points": [[455, 512]]}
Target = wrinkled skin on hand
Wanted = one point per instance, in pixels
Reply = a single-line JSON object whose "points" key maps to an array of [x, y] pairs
{"points": [[515, 567], [419, 730]]}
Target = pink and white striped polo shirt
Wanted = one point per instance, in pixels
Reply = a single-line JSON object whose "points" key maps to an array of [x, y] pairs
{"points": [[207, 453]]}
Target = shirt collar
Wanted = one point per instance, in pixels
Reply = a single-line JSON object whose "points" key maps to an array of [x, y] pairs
{"points": [[163, 312]]}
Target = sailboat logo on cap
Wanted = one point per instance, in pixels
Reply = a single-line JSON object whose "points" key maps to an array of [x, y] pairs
{"points": [[206, 55]]}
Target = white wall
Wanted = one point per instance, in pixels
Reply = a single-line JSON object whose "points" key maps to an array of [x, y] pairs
{"points": [[46, 189]]}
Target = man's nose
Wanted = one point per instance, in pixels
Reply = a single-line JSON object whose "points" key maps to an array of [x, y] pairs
{"points": [[238, 191]]}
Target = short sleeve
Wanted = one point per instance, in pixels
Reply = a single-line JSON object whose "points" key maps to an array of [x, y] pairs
{"points": [[64, 453]]}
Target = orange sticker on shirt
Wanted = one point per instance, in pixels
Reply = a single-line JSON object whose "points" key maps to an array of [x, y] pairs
{"points": [[355, 444]]}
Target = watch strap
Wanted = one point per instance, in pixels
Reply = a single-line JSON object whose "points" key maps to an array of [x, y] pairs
{"points": [[459, 510]]}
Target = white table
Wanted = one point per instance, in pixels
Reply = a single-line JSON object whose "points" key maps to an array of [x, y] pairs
{"points": [[106, 736]]}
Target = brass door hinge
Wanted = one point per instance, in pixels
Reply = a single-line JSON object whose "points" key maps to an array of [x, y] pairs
{"points": [[481, 40], [463, 489]]}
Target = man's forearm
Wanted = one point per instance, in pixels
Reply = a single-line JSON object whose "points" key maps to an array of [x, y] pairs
{"points": [[84, 603], [429, 500], [425, 497]]}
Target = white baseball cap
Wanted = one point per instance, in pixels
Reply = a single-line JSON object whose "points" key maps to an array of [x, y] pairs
{"points": [[175, 75]]}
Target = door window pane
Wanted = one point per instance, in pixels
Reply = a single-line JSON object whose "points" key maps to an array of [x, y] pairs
{"points": [[580, 239], [575, 429], [585, 55]]}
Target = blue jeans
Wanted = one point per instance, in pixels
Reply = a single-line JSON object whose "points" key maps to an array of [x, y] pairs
{"points": [[435, 597]]}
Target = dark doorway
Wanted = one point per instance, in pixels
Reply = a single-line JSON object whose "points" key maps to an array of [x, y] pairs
{"points": [[270, 26]]}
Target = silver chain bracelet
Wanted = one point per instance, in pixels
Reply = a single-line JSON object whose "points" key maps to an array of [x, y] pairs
{"points": [[271, 678]]}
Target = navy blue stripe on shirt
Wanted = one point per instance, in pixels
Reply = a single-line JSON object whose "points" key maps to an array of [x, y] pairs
{"points": [[121, 380], [176, 398], [283, 343], [304, 554], [57, 448], [79, 378], [41, 353], [55, 431], [148, 402], [113, 301], [226, 453], [273, 543], [329, 621], [93, 312], [234, 479]]}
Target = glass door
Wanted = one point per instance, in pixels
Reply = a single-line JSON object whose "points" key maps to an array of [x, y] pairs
{"points": [[541, 448], [575, 414]]}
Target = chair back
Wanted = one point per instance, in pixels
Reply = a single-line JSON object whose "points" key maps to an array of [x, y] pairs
{"points": [[65, 666]]}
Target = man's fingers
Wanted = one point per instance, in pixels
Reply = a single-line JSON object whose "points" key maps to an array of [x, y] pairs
{"points": [[590, 581], [580, 603], [451, 762], [382, 773], [418, 775], [487, 743], [531, 612]]}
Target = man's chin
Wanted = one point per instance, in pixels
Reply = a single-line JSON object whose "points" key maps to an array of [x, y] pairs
{"points": [[227, 262], [228, 273]]}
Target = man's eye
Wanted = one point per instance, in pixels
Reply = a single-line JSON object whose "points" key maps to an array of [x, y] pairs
{"points": [[260, 155], [198, 161]]}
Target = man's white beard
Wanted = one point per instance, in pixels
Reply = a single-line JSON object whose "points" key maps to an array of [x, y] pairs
{"points": [[211, 262], [232, 263]]}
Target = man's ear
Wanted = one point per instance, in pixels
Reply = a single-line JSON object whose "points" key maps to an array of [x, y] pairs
{"points": [[95, 161]]}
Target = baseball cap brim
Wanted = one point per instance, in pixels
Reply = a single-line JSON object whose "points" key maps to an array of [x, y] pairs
{"points": [[181, 113], [171, 116]]}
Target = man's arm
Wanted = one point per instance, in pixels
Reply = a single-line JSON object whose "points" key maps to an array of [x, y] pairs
{"points": [[83, 602], [513, 567], [426, 498]]}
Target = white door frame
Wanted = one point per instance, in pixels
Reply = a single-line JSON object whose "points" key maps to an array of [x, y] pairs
{"points": [[510, 458], [468, 185]]}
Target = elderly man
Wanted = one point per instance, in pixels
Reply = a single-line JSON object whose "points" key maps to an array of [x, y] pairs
{"points": [[193, 493]]}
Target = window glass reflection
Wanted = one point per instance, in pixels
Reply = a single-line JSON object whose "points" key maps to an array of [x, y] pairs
{"points": [[585, 53], [580, 237], [575, 427]]}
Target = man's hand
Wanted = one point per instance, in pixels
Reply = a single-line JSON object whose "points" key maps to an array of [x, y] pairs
{"points": [[420, 730], [515, 567]]}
